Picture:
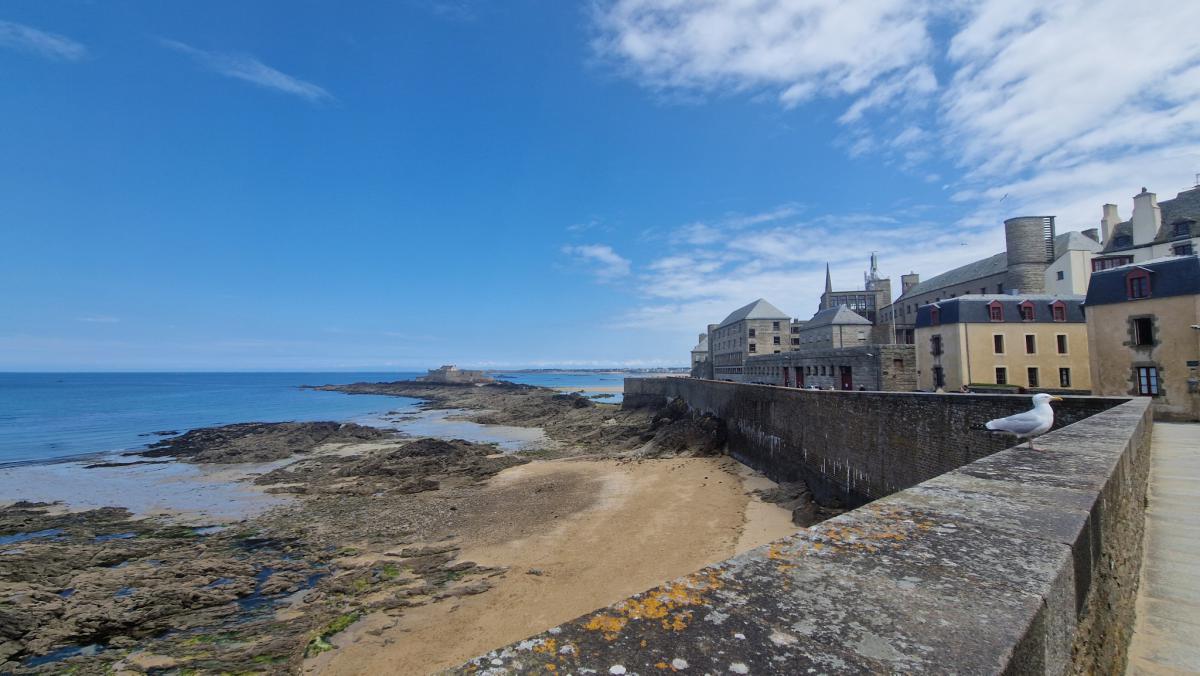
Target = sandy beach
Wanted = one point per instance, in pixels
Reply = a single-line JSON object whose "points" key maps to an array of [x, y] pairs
{"points": [[636, 525]]}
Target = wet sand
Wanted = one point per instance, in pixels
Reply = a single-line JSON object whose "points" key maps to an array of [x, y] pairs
{"points": [[644, 522]]}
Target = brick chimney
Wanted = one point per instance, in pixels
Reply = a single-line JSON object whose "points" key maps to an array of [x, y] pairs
{"points": [[1147, 217], [1108, 223]]}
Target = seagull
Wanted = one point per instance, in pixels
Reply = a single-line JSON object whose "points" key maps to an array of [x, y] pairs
{"points": [[1030, 424]]}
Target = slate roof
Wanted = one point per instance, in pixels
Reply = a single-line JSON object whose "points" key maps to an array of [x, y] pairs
{"points": [[992, 265], [836, 315], [1171, 276], [759, 309], [974, 309], [998, 264], [1182, 208], [702, 346]]}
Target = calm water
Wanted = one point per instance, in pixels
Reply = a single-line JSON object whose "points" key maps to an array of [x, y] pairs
{"points": [[44, 416], [47, 416]]}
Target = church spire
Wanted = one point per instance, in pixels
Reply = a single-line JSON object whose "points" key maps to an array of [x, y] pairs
{"points": [[828, 280]]}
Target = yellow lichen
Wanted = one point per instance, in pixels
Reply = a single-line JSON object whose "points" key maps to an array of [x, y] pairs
{"points": [[609, 625], [547, 647]]}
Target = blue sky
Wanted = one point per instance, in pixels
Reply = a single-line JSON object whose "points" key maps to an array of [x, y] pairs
{"points": [[298, 185]]}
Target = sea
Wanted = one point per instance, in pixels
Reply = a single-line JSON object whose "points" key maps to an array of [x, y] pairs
{"points": [[56, 416], [54, 425]]}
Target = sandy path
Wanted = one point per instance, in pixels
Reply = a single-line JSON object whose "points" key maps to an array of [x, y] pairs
{"points": [[652, 521]]}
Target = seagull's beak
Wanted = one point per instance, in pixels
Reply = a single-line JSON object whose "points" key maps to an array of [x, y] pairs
{"points": [[1056, 398]]}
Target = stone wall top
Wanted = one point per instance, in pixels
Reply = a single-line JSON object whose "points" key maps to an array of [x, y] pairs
{"points": [[1020, 562]]}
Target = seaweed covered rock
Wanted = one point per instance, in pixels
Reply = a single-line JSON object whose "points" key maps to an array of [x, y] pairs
{"points": [[259, 442]]}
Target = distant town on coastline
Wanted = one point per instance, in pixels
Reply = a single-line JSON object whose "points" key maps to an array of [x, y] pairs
{"points": [[1113, 310]]}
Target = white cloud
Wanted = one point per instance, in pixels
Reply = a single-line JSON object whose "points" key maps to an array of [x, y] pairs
{"points": [[249, 69], [1063, 105], [795, 48], [603, 262], [31, 40]]}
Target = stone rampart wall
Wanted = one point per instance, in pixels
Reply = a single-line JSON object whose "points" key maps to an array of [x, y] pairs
{"points": [[852, 446], [1023, 562]]}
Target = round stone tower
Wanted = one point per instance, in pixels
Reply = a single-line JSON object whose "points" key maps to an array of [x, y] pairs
{"points": [[1030, 242]]}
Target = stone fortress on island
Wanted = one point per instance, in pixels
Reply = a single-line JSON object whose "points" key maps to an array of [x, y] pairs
{"points": [[450, 374], [1015, 321]]}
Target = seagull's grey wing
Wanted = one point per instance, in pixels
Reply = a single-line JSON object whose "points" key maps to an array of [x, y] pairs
{"points": [[1019, 424]]}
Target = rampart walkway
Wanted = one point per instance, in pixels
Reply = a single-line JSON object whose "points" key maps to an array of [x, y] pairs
{"points": [[1166, 638]]}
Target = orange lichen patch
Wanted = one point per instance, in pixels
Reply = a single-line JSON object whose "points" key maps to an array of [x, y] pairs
{"points": [[887, 533], [551, 667], [611, 626], [663, 666], [663, 604], [547, 647], [678, 621]]}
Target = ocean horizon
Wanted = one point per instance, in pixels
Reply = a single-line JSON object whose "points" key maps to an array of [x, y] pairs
{"points": [[60, 416]]}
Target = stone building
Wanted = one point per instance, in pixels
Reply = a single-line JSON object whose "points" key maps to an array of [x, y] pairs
{"points": [[1169, 228], [701, 367], [1143, 324], [757, 328], [452, 375], [1035, 261], [869, 367], [867, 301], [832, 328], [1033, 341]]}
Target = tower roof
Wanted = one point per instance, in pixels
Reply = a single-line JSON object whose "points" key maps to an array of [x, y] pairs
{"points": [[759, 309]]}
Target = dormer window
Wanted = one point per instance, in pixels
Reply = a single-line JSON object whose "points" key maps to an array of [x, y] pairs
{"points": [[1182, 229], [1059, 310], [1026, 311], [995, 311], [935, 315], [1137, 284]]}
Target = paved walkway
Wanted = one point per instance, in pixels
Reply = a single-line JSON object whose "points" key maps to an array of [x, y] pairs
{"points": [[1166, 637]]}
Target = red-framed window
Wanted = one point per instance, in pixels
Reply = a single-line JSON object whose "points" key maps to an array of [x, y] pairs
{"points": [[1099, 264], [935, 315], [1058, 310], [1137, 284], [1026, 309], [996, 311]]}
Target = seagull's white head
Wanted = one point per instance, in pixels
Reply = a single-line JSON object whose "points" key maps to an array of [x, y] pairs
{"points": [[1043, 398]]}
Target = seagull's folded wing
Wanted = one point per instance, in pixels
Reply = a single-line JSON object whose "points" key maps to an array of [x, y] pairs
{"points": [[1022, 423]]}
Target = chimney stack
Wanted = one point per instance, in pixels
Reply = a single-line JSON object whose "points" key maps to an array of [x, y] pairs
{"points": [[1147, 217], [1108, 224]]}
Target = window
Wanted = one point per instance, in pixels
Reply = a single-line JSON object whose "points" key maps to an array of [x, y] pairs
{"points": [[795, 341], [1147, 380], [995, 311], [1059, 275], [1059, 311], [939, 377], [1032, 374], [897, 363], [753, 348], [1026, 310], [983, 290], [774, 326], [935, 345], [1099, 264], [1064, 377], [935, 315], [1182, 228], [1183, 249], [1143, 330], [751, 333], [1001, 375], [1061, 339], [998, 344], [1137, 283], [999, 288], [795, 329], [775, 340], [1030, 344]]}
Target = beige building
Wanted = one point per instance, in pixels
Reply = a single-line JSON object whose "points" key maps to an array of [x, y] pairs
{"points": [[1035, 342], [1143, 324], [757, 328]]}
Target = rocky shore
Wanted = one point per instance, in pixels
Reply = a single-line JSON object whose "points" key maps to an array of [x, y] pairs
{"points": [[373, 528]]}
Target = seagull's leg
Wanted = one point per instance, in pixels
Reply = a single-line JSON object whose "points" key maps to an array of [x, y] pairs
{"points": [[1031, 444]]}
